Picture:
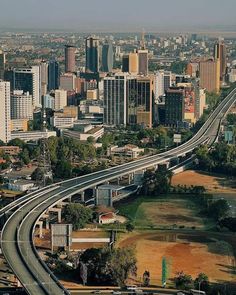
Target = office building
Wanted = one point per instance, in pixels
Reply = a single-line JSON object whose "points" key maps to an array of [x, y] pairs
{"points": [[53, 75], [19, 125], [21, 105], [67, 81], [60, 99], [107, 57], [162, 82], [28, 80], [130, 63], [143, 62], [5, 114], [115, 99], [92, 55], [220, 53], [44, 77], [48, 102], [2, 64], [32, 135], [210, 75], [174, 106], [70, 59], [140, 101]]}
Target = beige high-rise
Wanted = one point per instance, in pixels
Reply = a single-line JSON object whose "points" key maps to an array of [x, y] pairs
{"points": [[210, 75], [5, 114]]}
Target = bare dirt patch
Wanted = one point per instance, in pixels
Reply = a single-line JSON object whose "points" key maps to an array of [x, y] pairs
{"points": [[213, 183], [183, 252]]}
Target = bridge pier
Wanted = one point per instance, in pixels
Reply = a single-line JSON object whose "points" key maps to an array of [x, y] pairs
{"points": [[58, 211], [82, 197], [40, 226]]}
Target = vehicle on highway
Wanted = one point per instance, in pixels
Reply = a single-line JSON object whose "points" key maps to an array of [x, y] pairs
{"points": [[131, 288], [197, 292], [116, 292], [97, 292]]}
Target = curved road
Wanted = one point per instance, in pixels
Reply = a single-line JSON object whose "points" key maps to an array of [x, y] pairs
{"points": [[17, 242]]}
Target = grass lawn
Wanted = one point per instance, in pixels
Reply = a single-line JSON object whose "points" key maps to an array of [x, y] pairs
{"points": [[162, 212]]}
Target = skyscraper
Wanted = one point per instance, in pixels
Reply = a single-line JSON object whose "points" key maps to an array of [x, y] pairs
{"points": [[70, 59], [220, 53], [44, 76], [107, 57], [2, 64], [92, 54], [130, 63], [53, 75], [115, 100], [21, 105], [174, 106], [5, 114], [143, 62], [28, 80], [140, 101], [210, 75]]}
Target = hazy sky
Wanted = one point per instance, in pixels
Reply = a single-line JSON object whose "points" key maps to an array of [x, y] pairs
{"points": [[117, 15]]}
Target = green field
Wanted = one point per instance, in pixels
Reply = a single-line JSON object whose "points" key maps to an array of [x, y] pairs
{"points": [[162, 212]]}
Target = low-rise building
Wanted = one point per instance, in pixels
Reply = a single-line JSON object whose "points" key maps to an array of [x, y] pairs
{"points": [[20, 185], [32, 135], [129, 151], [10, 150]]}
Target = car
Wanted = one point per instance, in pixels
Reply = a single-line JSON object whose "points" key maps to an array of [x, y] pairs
{"points": [[96, 292], [116, 292], [131, 288]]}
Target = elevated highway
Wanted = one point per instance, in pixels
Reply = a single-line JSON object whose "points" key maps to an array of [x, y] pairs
{"points": [[17, 234]]}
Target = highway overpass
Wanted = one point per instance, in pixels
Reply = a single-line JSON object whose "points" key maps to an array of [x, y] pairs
{"points": [[17, 234]]}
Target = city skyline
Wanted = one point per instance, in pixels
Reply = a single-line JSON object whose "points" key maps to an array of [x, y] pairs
{"points": [[118, 16]]}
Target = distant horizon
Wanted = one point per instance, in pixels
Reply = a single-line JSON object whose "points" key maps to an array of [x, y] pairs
{"points": [[119, 16]]}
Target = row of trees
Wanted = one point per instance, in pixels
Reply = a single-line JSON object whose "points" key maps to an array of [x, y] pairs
{"points": [[111, 266], [221, 158], [185, 282]]}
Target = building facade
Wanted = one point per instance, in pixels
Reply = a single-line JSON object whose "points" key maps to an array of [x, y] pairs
{"points": [[70, 66], [21, 105], [92, 54], [5, 114]]}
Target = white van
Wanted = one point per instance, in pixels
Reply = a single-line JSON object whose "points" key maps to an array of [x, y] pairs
{"points": [[131, 287], [197, 292]]}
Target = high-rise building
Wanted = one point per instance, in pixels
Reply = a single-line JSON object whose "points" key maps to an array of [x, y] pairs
{"points": [[2, 64], [21, 105], [60, 99], [143, 62], [70, 59], [67, 81], [92, 55], [140, 100], [107, 57], [53, 75], [220, 53], [115, 100], [174, 106], [28, 80], [162, 82], [210, 75], [44, 77], [5, 114], [130, 63]]}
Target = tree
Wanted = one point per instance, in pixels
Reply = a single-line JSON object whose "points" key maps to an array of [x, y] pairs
{"points": [[183, 281], [16, 142], [77, 214], [129, 227], [37, 174], [202, 282], [63, 169], [24, 156], [146, 278], [110, 265], [219, 209]]}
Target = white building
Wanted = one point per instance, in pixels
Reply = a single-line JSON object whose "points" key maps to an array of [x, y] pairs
{"points": [[28, 80], [60, 99], [5, 114], [115, 99], [21, 105], [33, 135], [162, 82]]}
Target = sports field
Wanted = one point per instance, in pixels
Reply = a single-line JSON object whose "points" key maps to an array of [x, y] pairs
{"points": [[191, 253], [162, 212]]}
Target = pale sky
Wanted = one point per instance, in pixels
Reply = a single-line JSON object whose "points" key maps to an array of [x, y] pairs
{"points": [[119, 15]]}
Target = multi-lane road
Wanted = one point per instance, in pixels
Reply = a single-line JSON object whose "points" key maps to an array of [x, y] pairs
{"points": [[17, 242]]}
